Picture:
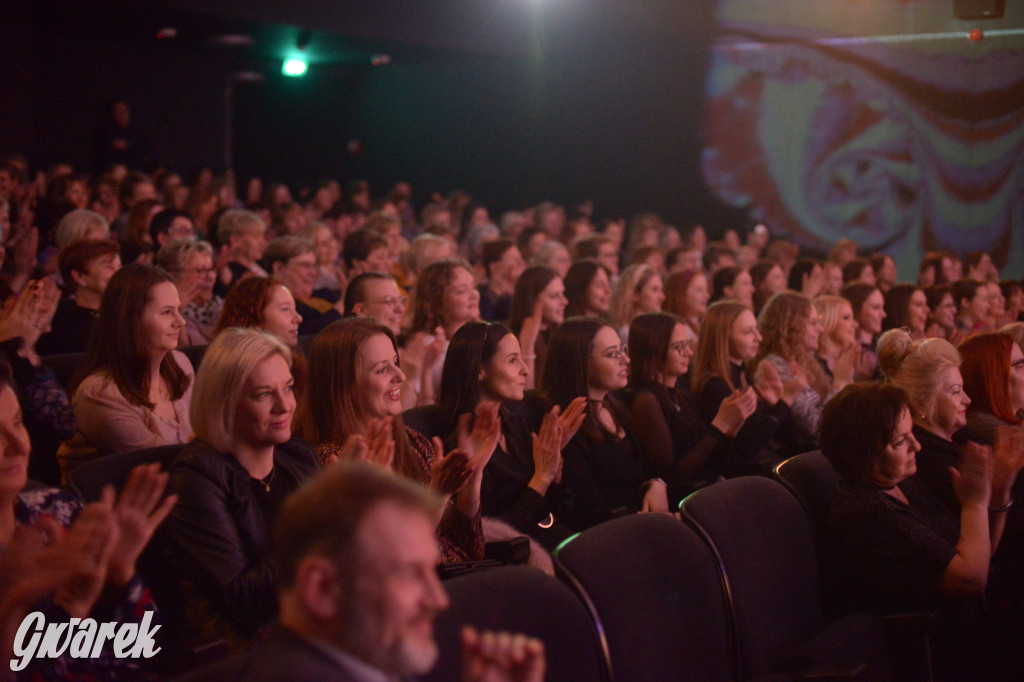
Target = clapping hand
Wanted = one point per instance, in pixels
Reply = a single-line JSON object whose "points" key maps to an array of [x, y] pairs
{"points": [[571, 418], [481, 441], [140, 508], [448, 473]]}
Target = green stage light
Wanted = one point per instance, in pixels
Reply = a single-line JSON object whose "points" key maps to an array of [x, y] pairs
{"points": [[294, 67]]}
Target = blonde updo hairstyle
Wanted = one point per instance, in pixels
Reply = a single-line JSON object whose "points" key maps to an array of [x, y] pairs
{"points": [[916, 366]]}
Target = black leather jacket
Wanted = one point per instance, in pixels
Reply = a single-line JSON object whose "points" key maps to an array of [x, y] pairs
{"points": [[221, 540]]}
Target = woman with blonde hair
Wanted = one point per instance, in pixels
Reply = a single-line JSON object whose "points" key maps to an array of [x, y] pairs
{"points": [[929, 372], [838, 351], [638, 290], [729, 340], [231, 481]]}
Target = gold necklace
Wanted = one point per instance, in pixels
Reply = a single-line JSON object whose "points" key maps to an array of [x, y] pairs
{"points": [[270, 477]]}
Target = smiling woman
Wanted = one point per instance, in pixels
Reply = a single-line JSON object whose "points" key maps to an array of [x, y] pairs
{"points": [[232, 480], [133, 388]]}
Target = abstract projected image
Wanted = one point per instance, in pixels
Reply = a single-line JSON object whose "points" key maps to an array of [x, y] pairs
{"points": [[889, 122]]}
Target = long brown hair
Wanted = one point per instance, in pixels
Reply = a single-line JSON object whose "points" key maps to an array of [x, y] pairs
{"points": [[428, 297], [116, 345], [712, 357], [330, 411]]}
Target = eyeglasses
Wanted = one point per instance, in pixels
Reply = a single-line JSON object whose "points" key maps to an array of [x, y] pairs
{"points": [[199, 272], [391, 301], [682, 346], [618, 354]]}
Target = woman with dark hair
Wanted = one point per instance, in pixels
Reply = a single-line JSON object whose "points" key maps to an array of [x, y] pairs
{"points": [[588, 289], [972, 305], [679, 446], [1013, 293], [906, 306], [485, 366], [538, 307], [869, 309], [353, 410], [942, 314], [604, 473], [892, 545], [768, 279], [729, 339], [859, 270], [735, 284], [133, 388]]}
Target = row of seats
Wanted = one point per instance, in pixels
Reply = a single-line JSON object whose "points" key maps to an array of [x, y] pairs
{"points": [[730, 593]]}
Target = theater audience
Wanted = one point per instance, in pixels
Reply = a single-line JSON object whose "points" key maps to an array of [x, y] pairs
{"points": [[554, 255], [678, 445], [354, 411], [604, 473], [86, 267], [133, 389], [190, 263], [538, 307], [588, 289]]}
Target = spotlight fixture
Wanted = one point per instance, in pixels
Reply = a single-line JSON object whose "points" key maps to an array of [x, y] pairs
{"points": [[294, 67]]}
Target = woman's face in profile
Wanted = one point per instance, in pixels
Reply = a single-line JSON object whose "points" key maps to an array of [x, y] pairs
{"points": [[379, 379], [898, 459]]}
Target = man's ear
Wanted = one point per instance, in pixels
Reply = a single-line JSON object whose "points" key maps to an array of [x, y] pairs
{"points": [[317, 586], [276, 267], [359, 310]]}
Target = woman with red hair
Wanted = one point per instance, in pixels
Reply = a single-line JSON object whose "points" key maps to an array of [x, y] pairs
{"points": [[993, 371]]}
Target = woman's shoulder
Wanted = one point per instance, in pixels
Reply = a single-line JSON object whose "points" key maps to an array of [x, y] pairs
{"points": [[183, 362]]}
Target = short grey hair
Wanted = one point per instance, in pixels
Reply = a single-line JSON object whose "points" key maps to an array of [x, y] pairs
{"points": [[235, 221], [176, 253], [75, 225]]}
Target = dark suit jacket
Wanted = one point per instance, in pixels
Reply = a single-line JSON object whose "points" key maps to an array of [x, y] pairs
{"points": [[283, 656]]}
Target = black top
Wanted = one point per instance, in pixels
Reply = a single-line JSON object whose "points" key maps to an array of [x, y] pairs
{"points": [[312, 319], [70, 330], [763, 439], [884, 556], [505, 492], [678, 445], [601, 480], [221, 531], [933, 462], [492, 308]]}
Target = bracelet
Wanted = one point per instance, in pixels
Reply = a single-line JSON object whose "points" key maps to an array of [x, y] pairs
{"points": [[1001, 510], [548, 522]]}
